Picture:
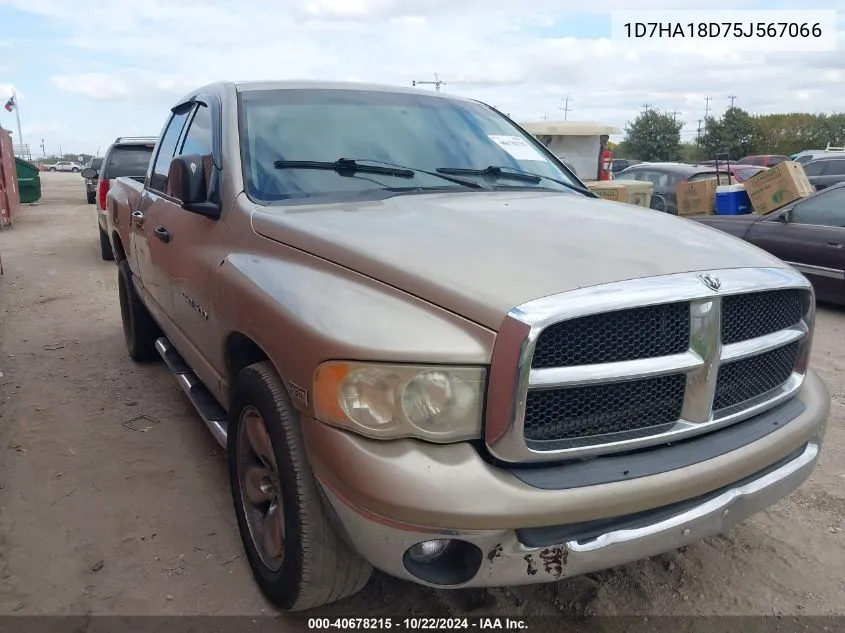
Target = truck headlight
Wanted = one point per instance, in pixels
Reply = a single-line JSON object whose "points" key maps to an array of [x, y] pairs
{"points": [[439, 404]]}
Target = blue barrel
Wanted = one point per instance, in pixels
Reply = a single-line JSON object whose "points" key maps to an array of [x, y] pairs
{"points": [[732, 200]]}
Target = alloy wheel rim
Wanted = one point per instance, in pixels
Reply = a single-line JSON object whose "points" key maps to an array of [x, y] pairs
{"points": [[260, 489]]}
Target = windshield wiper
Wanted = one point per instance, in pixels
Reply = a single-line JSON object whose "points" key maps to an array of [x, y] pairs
{"points": [[343, 166], [350, 166], [513, 174], [458, 181]]}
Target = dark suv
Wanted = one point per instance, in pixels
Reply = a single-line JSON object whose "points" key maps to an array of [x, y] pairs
{"points": [[127, 156], [91, 183]]}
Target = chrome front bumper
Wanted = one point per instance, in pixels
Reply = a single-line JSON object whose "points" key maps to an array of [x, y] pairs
{"points": [[506, 561]]}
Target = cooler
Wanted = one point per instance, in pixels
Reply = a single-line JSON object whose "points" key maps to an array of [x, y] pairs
{"points": [[732, 200]]}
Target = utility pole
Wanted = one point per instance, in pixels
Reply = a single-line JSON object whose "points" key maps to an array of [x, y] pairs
{"points": [[707, 101], [646, 106], [675, 114], [732, 98], [43, 149], [566, 107], [698, 136], [436, 83]]}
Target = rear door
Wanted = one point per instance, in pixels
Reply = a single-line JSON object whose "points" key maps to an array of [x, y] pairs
{"points": [[812, 241], [151, 252]]}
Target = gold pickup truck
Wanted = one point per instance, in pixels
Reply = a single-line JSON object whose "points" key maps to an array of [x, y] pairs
{"points": [[429, 349]]}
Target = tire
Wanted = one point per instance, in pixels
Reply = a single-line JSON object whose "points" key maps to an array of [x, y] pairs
{"points": [[52, 169], [92, 196], [105, 247], [75, 170], [315, 566], [139, 328]]}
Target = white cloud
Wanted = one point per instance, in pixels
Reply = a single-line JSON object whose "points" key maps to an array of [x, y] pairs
{"points": [[495, 50]]}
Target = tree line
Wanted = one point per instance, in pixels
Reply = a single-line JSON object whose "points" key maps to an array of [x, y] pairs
{"points": [[656, 136]]}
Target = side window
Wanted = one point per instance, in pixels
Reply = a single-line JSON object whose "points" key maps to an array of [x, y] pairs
{"points": [[814, 168], [824, 209], [198, 138], [167, 147], [835, 168]]}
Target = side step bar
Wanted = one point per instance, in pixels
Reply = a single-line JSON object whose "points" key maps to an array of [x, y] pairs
{"points": [[212, 413]]}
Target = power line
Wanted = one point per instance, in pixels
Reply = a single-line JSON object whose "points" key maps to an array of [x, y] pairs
{"points": [[565, 107]]}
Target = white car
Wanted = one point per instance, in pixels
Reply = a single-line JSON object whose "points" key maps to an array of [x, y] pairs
{"points": [[65, 166]]}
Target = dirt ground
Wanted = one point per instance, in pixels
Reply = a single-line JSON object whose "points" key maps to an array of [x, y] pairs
{"points": [[97, 518]]}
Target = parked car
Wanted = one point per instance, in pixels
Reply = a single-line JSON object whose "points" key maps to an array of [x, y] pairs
{"points": [[666, 177], [438, 355], [618, 164], [826, 171], [126, 157], [812, 154], [741, 173], [763, 160], [808, 234], [91, 183], [65, 166]]}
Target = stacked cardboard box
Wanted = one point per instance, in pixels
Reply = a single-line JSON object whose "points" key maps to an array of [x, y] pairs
{"points": [[628, 191], [776, 187]]}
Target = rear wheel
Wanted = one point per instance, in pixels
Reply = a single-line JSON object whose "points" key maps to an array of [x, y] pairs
{"points": [[105, 247], [75, 169], [297, 558], [139, 328], [52, 169]]}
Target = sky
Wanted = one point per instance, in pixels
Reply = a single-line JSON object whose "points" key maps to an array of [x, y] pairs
{"points": [[87, 72]]}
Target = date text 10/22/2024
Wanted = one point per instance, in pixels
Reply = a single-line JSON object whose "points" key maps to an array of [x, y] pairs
{"points": [[418, 624]]}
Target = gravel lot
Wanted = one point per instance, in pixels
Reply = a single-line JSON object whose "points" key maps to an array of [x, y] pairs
{"points": [[97, 518]]}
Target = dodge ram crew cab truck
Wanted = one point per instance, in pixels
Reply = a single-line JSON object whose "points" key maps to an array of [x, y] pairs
{"points": [[428, 349]]}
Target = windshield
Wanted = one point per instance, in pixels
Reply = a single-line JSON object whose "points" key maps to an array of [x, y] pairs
{"points": [[414, 131]]}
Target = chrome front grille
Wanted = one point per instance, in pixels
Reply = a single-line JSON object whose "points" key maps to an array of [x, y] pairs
{"points": [[631, 334], [643, 362]]}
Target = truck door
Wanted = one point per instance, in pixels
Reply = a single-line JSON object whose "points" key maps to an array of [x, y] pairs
{"points": [[152, 253], [196, 244]]}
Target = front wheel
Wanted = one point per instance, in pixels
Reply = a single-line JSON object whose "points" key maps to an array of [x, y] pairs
{"points": [[75, 170], [297, 558], [52, 169]]}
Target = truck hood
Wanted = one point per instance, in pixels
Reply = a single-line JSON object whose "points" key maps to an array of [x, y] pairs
{"points": [[479, 254]]}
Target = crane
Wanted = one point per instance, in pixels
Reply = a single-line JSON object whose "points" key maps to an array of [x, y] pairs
{"points": [[438, 83]]}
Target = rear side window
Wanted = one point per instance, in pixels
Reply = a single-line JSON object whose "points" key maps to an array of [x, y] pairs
{"points": [[703, 175], [129, 161]]}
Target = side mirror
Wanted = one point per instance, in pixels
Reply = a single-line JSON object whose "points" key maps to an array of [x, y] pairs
{"points": [[89, 172], [187, 182]]}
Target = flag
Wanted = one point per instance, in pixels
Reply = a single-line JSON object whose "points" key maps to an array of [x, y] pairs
{"points": [[10, 104]]}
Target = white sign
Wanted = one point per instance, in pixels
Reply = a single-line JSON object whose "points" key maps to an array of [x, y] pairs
{"points": [[517, 147]]}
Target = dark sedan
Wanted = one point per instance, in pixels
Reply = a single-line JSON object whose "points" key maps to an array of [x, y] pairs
{"points": [[827, 171], [808, 234]]}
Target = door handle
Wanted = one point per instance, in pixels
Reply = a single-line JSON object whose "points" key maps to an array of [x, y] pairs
{"points": [[138, 217], [834, 244], [163, 234]]}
